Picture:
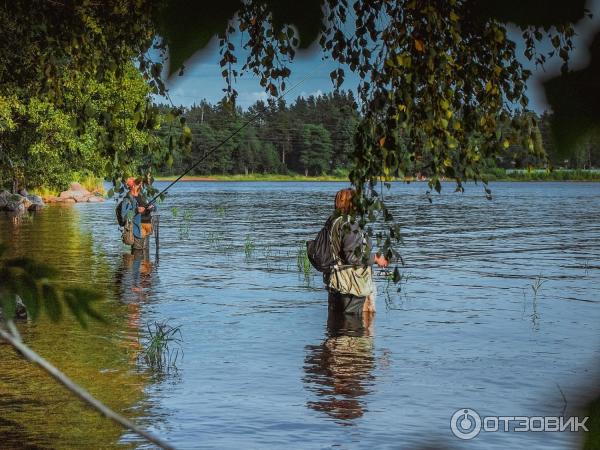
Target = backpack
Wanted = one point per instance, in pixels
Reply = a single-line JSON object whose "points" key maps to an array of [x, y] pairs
{"points": [[319, 250], [119, 211]]}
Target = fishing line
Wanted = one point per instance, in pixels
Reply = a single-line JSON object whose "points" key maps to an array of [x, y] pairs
{"points": [[228, 138]]}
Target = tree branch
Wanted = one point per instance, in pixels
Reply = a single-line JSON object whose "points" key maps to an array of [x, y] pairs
{"points": [[29, 354]]}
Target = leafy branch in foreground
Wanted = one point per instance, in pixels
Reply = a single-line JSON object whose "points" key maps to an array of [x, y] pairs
{"points": [[34, 284], [441, 87], [26, 279]]}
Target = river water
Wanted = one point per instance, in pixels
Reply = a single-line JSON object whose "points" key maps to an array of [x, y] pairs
{"points": [[263, 367]]}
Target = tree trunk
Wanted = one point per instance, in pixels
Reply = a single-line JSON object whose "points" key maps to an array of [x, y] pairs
{"points": [[15, 179]]}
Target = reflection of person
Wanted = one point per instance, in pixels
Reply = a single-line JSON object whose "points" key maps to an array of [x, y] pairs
{"points": [[135, 277], [350, 287], [133, 281], [135, 205], [339, 370]]}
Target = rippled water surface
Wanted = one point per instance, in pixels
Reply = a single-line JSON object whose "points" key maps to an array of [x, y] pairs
{"points": [[263, 367]]}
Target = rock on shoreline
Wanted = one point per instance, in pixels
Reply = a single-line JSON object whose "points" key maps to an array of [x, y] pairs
{"points": [[18, 203], [76, 194], [21, 202]]}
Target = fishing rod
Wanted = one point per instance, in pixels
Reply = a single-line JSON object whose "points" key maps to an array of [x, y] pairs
{"points": [[228, 138], [216, 147]]}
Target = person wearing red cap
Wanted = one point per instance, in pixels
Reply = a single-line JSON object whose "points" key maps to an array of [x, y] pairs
{"points": [[135, 207]]}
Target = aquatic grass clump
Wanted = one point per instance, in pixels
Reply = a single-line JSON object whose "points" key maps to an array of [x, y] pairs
{"points": [[163, 348], [249, 247], [220, 210], [185, 224], [218, 242], [537, 285], [302, 261], [184, 227]]}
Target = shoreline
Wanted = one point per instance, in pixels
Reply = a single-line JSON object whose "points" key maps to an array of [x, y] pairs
{"points": [[333, 179], [559, 176]]}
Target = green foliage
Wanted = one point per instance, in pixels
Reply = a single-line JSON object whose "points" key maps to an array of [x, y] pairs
{"points": [[51, 147], [220, 210], [537, 285], [437, 79], [35, 283], [275, 142], [315, 149], [72, 103]]}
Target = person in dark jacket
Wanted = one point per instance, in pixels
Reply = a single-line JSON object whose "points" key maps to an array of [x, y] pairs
{"points": [[350, 284], [135, 205]]}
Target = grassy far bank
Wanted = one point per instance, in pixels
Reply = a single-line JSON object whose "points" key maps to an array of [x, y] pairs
{"points": [[543, 175], [96, 184], [256, 177], [494, 175]]}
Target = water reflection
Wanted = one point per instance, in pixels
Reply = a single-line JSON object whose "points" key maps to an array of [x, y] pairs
{"points": [[36, 412], [134, 277], [133, 283], [339, 370]]}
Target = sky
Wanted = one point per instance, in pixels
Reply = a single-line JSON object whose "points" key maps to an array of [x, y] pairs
{"points": [[310, 73]]}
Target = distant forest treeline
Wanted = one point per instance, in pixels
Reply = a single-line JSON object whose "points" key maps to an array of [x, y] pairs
{"points": [[314, 136]]}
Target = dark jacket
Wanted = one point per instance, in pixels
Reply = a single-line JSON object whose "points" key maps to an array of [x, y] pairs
{"points": [[147, 214], [352, 244]]}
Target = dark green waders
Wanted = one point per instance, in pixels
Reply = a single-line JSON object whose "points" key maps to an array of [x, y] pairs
{"points": [[345, 303]]}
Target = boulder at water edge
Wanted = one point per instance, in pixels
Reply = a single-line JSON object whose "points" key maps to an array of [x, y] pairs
{"points": [[36, 202], [79, 194], [14, 202], [19, 203], [77, 187]]}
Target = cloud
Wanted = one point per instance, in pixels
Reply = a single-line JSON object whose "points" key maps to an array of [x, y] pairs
{"points": [[246, 99], [316, 93]]}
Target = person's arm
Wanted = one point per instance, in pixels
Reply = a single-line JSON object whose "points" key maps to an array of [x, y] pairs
{"points": [[143, 206]]}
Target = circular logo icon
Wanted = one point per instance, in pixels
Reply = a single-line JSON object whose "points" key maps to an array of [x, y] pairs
{"points": [[465, 423]]}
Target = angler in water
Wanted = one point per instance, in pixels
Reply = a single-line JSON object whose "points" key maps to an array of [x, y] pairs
{"points": [[137, 216], [343, 252]]}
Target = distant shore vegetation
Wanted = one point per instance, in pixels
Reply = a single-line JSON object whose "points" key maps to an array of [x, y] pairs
{"points": [[313, 139], [497, 174], [309, 139]]}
